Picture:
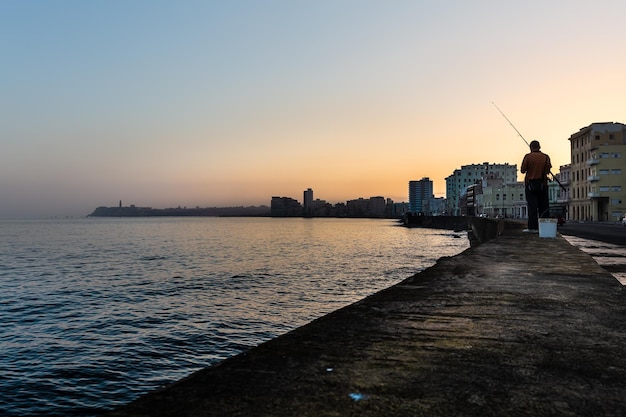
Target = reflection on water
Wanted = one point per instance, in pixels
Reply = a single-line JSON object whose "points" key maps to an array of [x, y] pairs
{"points": [[94, 312]]}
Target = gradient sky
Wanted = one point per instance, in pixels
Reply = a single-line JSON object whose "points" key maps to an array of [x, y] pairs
{"points": [[218, 103]]}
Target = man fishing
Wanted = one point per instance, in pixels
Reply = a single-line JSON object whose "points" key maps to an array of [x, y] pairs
{"points": [[536, 165]]}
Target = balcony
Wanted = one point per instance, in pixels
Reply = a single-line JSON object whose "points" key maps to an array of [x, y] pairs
{"points": [[593, 161], [592, 178], [593, 194]]}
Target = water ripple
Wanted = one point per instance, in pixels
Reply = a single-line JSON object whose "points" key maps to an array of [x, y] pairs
{"points": [[95, 312]]}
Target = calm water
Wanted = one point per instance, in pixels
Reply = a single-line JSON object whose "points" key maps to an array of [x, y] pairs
{"points": [[95, 312]]}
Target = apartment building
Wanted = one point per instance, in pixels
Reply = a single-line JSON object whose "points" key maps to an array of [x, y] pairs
{"points": [[502, 199], [420, 196], [597, 177], [366, 207], [458, 183], [308, 202]]}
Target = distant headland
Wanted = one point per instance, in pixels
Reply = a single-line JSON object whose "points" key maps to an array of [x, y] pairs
{"points": [[134, 211], [373, 207]]}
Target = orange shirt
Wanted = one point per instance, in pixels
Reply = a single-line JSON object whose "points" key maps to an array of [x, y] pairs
{"points": [[536, 165]]}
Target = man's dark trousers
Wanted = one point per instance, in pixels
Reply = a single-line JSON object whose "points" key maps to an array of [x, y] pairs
{"points": [[538, 206]]}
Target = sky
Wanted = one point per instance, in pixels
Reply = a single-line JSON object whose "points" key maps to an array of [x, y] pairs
{"points": [[228, 103]]}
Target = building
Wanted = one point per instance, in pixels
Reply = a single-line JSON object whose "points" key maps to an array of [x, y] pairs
{"points": [[285, 207], [396, 210], [378, 206], [558, 192], [461, 179], [494, 197], [437, 206], [308, 202], [370, 207], [473, 201], [502, 199], [559, 188], [420, 196], [597, 180]]}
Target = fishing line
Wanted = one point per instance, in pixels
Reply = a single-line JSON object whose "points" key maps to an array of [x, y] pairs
{"points": [[525, 141], [507, 119]]}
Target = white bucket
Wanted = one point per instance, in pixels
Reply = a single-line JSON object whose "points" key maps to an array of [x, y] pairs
{"points": [[547, 227]]}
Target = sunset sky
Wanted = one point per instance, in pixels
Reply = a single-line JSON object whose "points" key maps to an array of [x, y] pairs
{"points": [[220, 103]]}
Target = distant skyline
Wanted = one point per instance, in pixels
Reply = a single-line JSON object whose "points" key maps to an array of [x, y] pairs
{"points": [[197, 103]]}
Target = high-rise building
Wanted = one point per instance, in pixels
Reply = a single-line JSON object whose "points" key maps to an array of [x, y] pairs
{"points": [[308, 202], [598, 172], [420, 196]]}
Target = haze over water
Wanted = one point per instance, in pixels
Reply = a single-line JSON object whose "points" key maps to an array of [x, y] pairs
{"points": [[95, 312]]}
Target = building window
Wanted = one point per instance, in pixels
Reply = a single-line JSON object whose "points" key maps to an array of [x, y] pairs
{"points": [[616, 171], [604, 188], [616, 155], [604, 172], [616, 188]]}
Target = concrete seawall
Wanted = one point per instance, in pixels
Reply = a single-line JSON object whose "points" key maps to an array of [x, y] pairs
{"points": [[479, 229], [516, 326]]}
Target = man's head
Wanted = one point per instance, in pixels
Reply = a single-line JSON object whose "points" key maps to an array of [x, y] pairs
{"points": [[534, 145]]}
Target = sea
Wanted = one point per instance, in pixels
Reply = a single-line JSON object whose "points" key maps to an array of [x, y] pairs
{"points": [[95, 312]]}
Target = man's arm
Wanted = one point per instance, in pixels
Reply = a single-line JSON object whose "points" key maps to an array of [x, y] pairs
{"points": [[524, 166]]}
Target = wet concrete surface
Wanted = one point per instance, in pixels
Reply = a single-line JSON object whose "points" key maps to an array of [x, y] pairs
{"points": [[604, 241], [516, 326], [609, 256]]}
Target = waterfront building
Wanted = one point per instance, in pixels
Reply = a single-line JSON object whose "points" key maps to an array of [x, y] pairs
{"points": [[420, 196], [308, 202], [378, 206], [366, 207], [437, 206], [320, 208], [597, 188], [396, 210], [358, 207], [285, 207], [458, 182], [472, 201], [503, 199]]}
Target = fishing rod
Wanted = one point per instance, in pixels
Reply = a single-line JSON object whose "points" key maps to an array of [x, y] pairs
{"points": [[507, 119], [525, 141]]}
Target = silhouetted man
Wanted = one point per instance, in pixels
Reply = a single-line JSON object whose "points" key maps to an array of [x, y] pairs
{"points": [[536, 165]]}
